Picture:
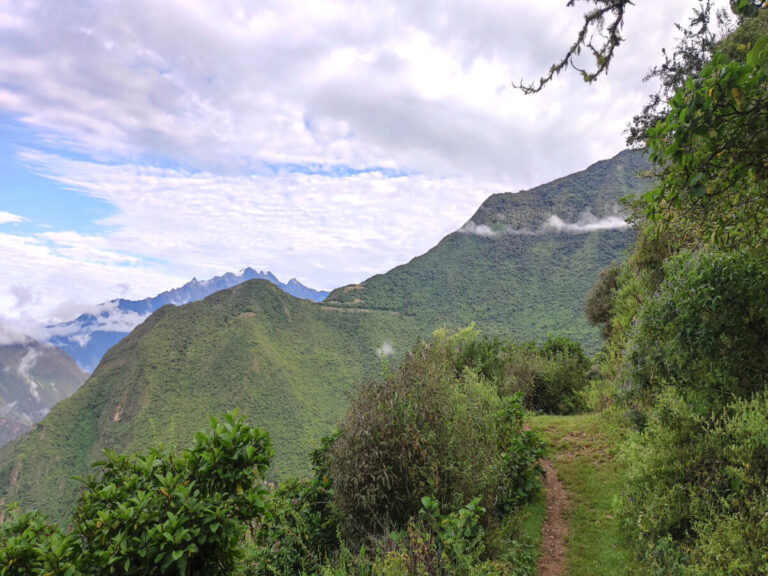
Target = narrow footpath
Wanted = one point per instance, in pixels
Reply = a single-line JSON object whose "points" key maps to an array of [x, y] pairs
{"points": [[554, 533], [580, 536]]}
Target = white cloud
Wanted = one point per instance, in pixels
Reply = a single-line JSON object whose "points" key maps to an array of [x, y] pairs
{"points": [[386, 349], [107, 318], [232, 85], [588, 222], [8, 218], [478, 230], [234, 94], [330, 229], [62, 286]]}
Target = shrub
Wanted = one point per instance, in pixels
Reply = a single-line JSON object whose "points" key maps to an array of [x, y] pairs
{"points": [[430, 428], [696, 500], [598, 305], [563, 375], [706, 329], [298, 531], [154, 514]]}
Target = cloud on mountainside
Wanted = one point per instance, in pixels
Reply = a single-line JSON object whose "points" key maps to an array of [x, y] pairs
{"points": [[587, 222], [104, 318], [386, 349]]}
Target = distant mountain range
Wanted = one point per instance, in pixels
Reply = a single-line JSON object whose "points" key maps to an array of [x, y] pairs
{"points": [[520, 268], [33, 378], [89, 336]]}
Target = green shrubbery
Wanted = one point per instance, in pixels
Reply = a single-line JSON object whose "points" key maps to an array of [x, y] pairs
{"points": [[153, 514], [436, 428], [431, 463], [696, 496]]}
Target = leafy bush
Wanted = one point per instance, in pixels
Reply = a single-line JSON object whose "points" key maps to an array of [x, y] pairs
{"points": [[430, 428], [599, 302], [30, 545], [298, 531], [154, 514], [696, 498], [562, 377], [433, 544], [706, 328]]}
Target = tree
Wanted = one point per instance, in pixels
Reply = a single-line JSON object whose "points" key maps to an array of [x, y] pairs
{"points": [[606, 20]]}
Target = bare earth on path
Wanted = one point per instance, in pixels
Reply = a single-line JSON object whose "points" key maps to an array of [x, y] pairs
{"points": [[554, 540]]}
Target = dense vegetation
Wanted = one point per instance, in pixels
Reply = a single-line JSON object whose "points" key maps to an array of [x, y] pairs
{"points": [[687, 323], [289, 364], [427, 474], [516, 277]]}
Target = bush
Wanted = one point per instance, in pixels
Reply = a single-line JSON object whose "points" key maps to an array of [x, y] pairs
{"points": [[298, 531], [562, 377], [153, 514], [706, 329], [431, 428], [696, 497], [598, 305]]}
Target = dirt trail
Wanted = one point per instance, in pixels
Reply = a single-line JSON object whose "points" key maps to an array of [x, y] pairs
{"points": [[554, 540]]}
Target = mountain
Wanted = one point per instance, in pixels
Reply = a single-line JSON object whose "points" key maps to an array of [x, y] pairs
{"points": [[33, 377], [520, 267], [89, 336]]}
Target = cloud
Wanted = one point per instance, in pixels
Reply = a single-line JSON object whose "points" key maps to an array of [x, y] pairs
{"points": [[236, 87], [8, 218], [17, 330], [588, 222], [324, 141], [23, 294], [105, 317], [386, 349], [478, 230], [327, 229]]}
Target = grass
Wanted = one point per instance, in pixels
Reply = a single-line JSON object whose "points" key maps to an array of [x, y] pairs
{"points": [[584, 457]]}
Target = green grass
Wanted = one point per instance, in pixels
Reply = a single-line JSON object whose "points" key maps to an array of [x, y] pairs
{"points": [[584, 457]]}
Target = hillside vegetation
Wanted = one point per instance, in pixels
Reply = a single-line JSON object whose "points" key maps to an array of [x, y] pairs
{"points": [[432, 471], [288, 364], [686, 360], [506, 270]]}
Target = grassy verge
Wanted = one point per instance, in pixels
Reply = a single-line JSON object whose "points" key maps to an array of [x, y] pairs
{"points": [[584, 458]]}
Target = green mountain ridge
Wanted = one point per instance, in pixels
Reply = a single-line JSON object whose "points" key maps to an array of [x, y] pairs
{"points": [[288, 363], [518, 277]]}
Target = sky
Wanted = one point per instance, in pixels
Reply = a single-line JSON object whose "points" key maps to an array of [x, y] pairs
{"points": [[146, 142]]}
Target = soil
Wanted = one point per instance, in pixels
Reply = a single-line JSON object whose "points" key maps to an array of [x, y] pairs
{"points": [[554, 540]]}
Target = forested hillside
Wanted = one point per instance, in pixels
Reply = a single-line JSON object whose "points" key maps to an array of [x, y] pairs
{"points": [[512, 269], [288, 363]]}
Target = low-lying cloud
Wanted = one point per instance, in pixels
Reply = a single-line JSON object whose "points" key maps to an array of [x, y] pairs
{"points": [[106, 317], [385, 350], [587, 222]]}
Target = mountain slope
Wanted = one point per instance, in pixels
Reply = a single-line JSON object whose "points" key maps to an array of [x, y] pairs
{"points": [[33, 378], [521, 267], [89, 336], [286, 363]]}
